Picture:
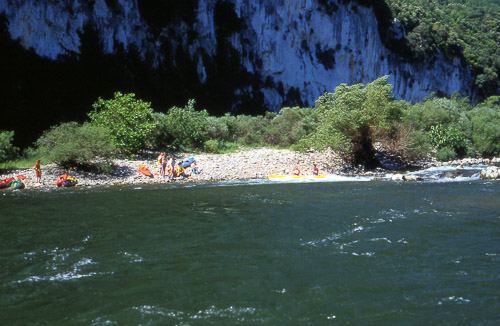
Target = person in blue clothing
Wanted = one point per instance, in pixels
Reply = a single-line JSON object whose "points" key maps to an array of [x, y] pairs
{"points": [[194, 168], [315, 169]]}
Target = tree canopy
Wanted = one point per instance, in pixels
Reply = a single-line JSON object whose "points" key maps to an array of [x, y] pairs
{"points": [[465, 28]]}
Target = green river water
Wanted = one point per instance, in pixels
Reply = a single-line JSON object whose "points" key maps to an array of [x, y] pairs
{"points": [[252, 253]]}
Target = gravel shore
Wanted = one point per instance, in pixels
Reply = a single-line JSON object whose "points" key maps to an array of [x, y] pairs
{"points": [[247, 164]]}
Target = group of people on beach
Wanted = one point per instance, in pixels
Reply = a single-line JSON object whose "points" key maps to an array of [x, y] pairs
{"points": [[172, 169]]}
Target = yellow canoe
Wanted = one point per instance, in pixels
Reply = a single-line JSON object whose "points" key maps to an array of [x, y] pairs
{"points": [[296, 177]]}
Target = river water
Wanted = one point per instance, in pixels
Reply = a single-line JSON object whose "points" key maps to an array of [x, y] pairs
{"points": [[253, 253]]}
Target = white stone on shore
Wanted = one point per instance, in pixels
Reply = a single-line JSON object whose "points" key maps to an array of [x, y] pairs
{"points": [[490, 173]]}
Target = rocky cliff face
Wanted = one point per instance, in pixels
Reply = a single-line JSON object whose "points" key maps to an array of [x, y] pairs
{"points": [[280, 52]]}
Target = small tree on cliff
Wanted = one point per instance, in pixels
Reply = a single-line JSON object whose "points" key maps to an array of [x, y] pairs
{"points": [[130, 121], [348, 118]]}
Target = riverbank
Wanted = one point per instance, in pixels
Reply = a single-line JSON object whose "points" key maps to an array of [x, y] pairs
{"points": [[248, 164]]}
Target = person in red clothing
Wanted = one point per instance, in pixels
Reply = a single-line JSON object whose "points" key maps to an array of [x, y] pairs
{"points": [[315, 169], [296, 171], [38, 171]]}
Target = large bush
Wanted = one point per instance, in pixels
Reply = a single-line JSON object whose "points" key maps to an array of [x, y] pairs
{"points": [[73, 145], [485, 120], [129, 120], [181, 127], [444, 122], [440, 111], [347, 118], [7, 150], [250, 130], [289, 126]]}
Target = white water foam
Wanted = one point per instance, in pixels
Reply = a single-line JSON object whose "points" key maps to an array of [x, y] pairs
{"points": [[454, 299]]}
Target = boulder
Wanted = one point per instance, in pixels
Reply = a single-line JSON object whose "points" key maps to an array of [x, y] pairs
{"points": [[492, 172], [397, 177], [412, 178]]}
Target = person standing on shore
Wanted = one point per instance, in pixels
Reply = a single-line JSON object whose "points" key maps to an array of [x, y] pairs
{"points": [[296, 171], [315, 169], [171, 166], [38, 171], [163, 164]]}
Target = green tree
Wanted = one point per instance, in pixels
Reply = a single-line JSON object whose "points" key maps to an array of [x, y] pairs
{"points": [[7, 150], [129, 120], [347, 118]]}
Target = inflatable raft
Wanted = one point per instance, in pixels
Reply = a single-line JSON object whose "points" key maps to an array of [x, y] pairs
{"points": [[187, 163], [6, 182], [66, 181]]}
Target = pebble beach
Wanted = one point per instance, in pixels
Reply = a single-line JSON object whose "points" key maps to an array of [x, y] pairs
{"points": [[247, 164]]}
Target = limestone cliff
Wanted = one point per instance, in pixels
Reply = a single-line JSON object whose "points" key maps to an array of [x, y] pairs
{"points": [[283, 52]]}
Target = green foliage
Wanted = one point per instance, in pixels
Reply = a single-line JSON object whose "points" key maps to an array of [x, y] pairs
{"points": [[467, 28], [289, 126], [211, 146], [74, 145], [434, 111], [448, 137], [182, 127], [347, 117], [446, 154], [130, 121], [7, 150], [250, 130], [485, 120], [418, 145], [445, 122], [220, 127]]}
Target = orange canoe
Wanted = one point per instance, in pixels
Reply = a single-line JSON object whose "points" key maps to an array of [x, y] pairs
{"points": [[144, 170]]}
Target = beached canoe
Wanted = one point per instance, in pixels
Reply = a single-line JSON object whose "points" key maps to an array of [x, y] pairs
{"points": [[145, 171]]}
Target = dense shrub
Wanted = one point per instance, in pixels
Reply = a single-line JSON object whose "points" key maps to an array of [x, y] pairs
{"points": [[220, 128], [74, 145], [443, 111], [211, 146], [446, 154], [181, 127], [7, 150], [130, 121], [417, 145], [289, 126], [444, 122], [448, 138], [485, 120], [250, 130]]}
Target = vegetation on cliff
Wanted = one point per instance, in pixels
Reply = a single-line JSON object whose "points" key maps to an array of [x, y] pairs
{"points": [[464, 28]]}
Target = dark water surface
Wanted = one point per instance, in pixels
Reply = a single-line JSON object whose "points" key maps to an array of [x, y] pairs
{"points": [[333, 253]]}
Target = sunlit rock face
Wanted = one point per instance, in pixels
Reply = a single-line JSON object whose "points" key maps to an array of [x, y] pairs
{"points": [[285, 52]]}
